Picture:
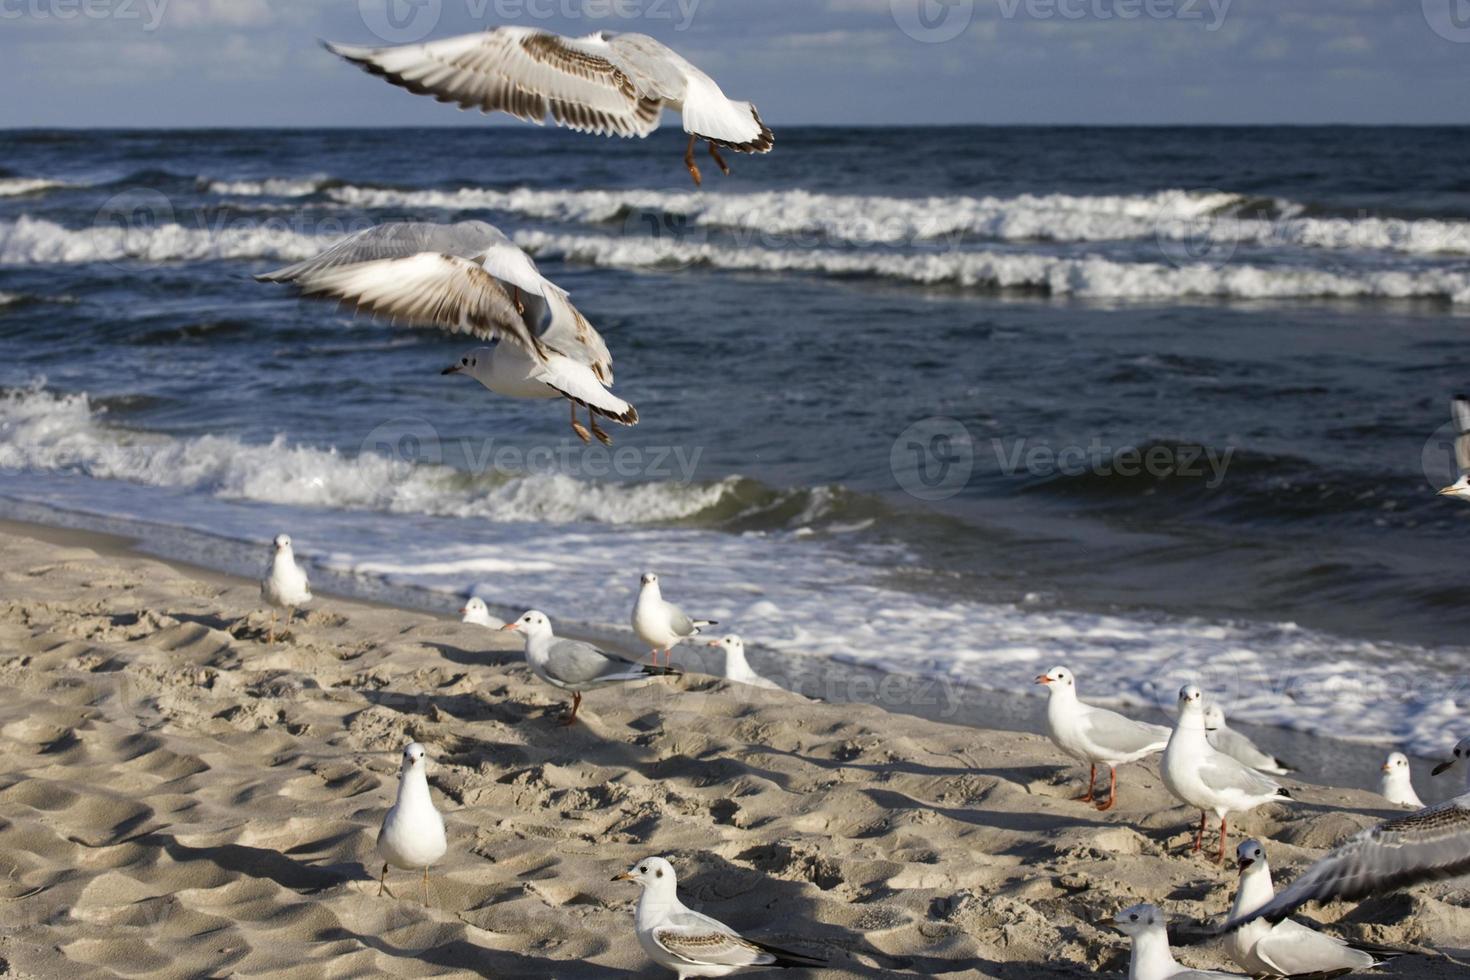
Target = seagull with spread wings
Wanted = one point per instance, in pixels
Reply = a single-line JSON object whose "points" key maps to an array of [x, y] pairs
{"points": [[688, 942], [605, 83], [470, 278]]}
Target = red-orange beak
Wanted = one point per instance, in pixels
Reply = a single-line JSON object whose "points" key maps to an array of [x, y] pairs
{"points": [[1043, 679], [507, 626]]}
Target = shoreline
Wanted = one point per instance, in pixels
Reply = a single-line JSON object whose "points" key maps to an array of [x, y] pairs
{"points": [[181, 799], [1319, 760]]}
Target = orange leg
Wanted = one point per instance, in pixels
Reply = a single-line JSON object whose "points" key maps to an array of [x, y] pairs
{"points": [[1091, 782], [1112, 790], [714, 151], [571, 719], [1200, 834], [689, 162], [1221, 858], [578, 427]]}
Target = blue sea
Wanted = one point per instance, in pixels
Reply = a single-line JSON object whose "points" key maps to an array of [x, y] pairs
{"points": [[1157, 404]]}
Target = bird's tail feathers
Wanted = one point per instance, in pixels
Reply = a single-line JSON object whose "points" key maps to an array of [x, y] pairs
{"points": [[785, 958]]}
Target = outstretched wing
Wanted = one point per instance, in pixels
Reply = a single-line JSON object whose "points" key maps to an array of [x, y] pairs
{"points": [[1429, 845], [521, 71]]}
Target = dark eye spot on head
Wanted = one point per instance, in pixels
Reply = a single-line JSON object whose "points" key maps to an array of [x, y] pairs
{"points": [[1134, 917], [659, 873], [643, 871]]}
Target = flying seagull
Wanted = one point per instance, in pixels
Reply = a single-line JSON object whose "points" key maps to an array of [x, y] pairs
{"points": [[1460, 414], [1095, 735], [470, 278], [688, 942], [1428, 845], [605, 83]]}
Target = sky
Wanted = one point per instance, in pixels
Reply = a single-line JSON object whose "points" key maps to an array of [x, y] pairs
{"points": [[156, 63]]}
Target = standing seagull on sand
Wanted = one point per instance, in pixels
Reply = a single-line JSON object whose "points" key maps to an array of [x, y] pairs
{"points": [[285, 585], [605, 83], [1460, 414], [737, 668], [572, 665], [662, 624], [1206, 778], [690, 943], [1428, 845], [1237, 746], [469, 278], [1287, 948], [1095, 735], [412, 836], [1151, 958], [476, 613], [1396, 786]]}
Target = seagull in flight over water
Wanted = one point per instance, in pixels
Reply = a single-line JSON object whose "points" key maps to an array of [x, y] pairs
{"points": [[470, 278], [605, 83]]}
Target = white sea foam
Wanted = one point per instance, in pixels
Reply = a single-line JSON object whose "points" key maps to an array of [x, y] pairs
{"points": [[16, 186], [545, 541], [798, 217], [37, 241], [269, 187], [1092, 276]]}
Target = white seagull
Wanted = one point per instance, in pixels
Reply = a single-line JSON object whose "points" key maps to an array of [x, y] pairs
{"points": [[574, 666], [737, 669], [1286, 948], [605, 83], [661, 624], [469, 278], [1460, 414], [477, 613], [1237, 746], [412, 835], [1206, 778], [1397, 786], [1095, 735], [1428, 845], [690, 943], [285, 585], [1151, 958]]}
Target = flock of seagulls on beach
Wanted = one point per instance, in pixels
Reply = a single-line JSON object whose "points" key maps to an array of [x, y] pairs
{"points": [[469, 278]]}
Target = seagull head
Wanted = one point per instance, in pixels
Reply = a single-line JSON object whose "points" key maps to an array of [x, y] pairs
{"points": [[1138, 919], [414, 757], [282, 542], [1191, 698], [471, 362], [1214, 718], [533, 623], [648, 579], [730, 643], [1057, 679], [1396, 762], [1462, 752], [651, 874], [475, 607], [1250, 857], [1459, 486]]}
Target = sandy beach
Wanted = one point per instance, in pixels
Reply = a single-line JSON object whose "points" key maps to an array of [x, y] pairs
{"points": [[180, 799]]}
